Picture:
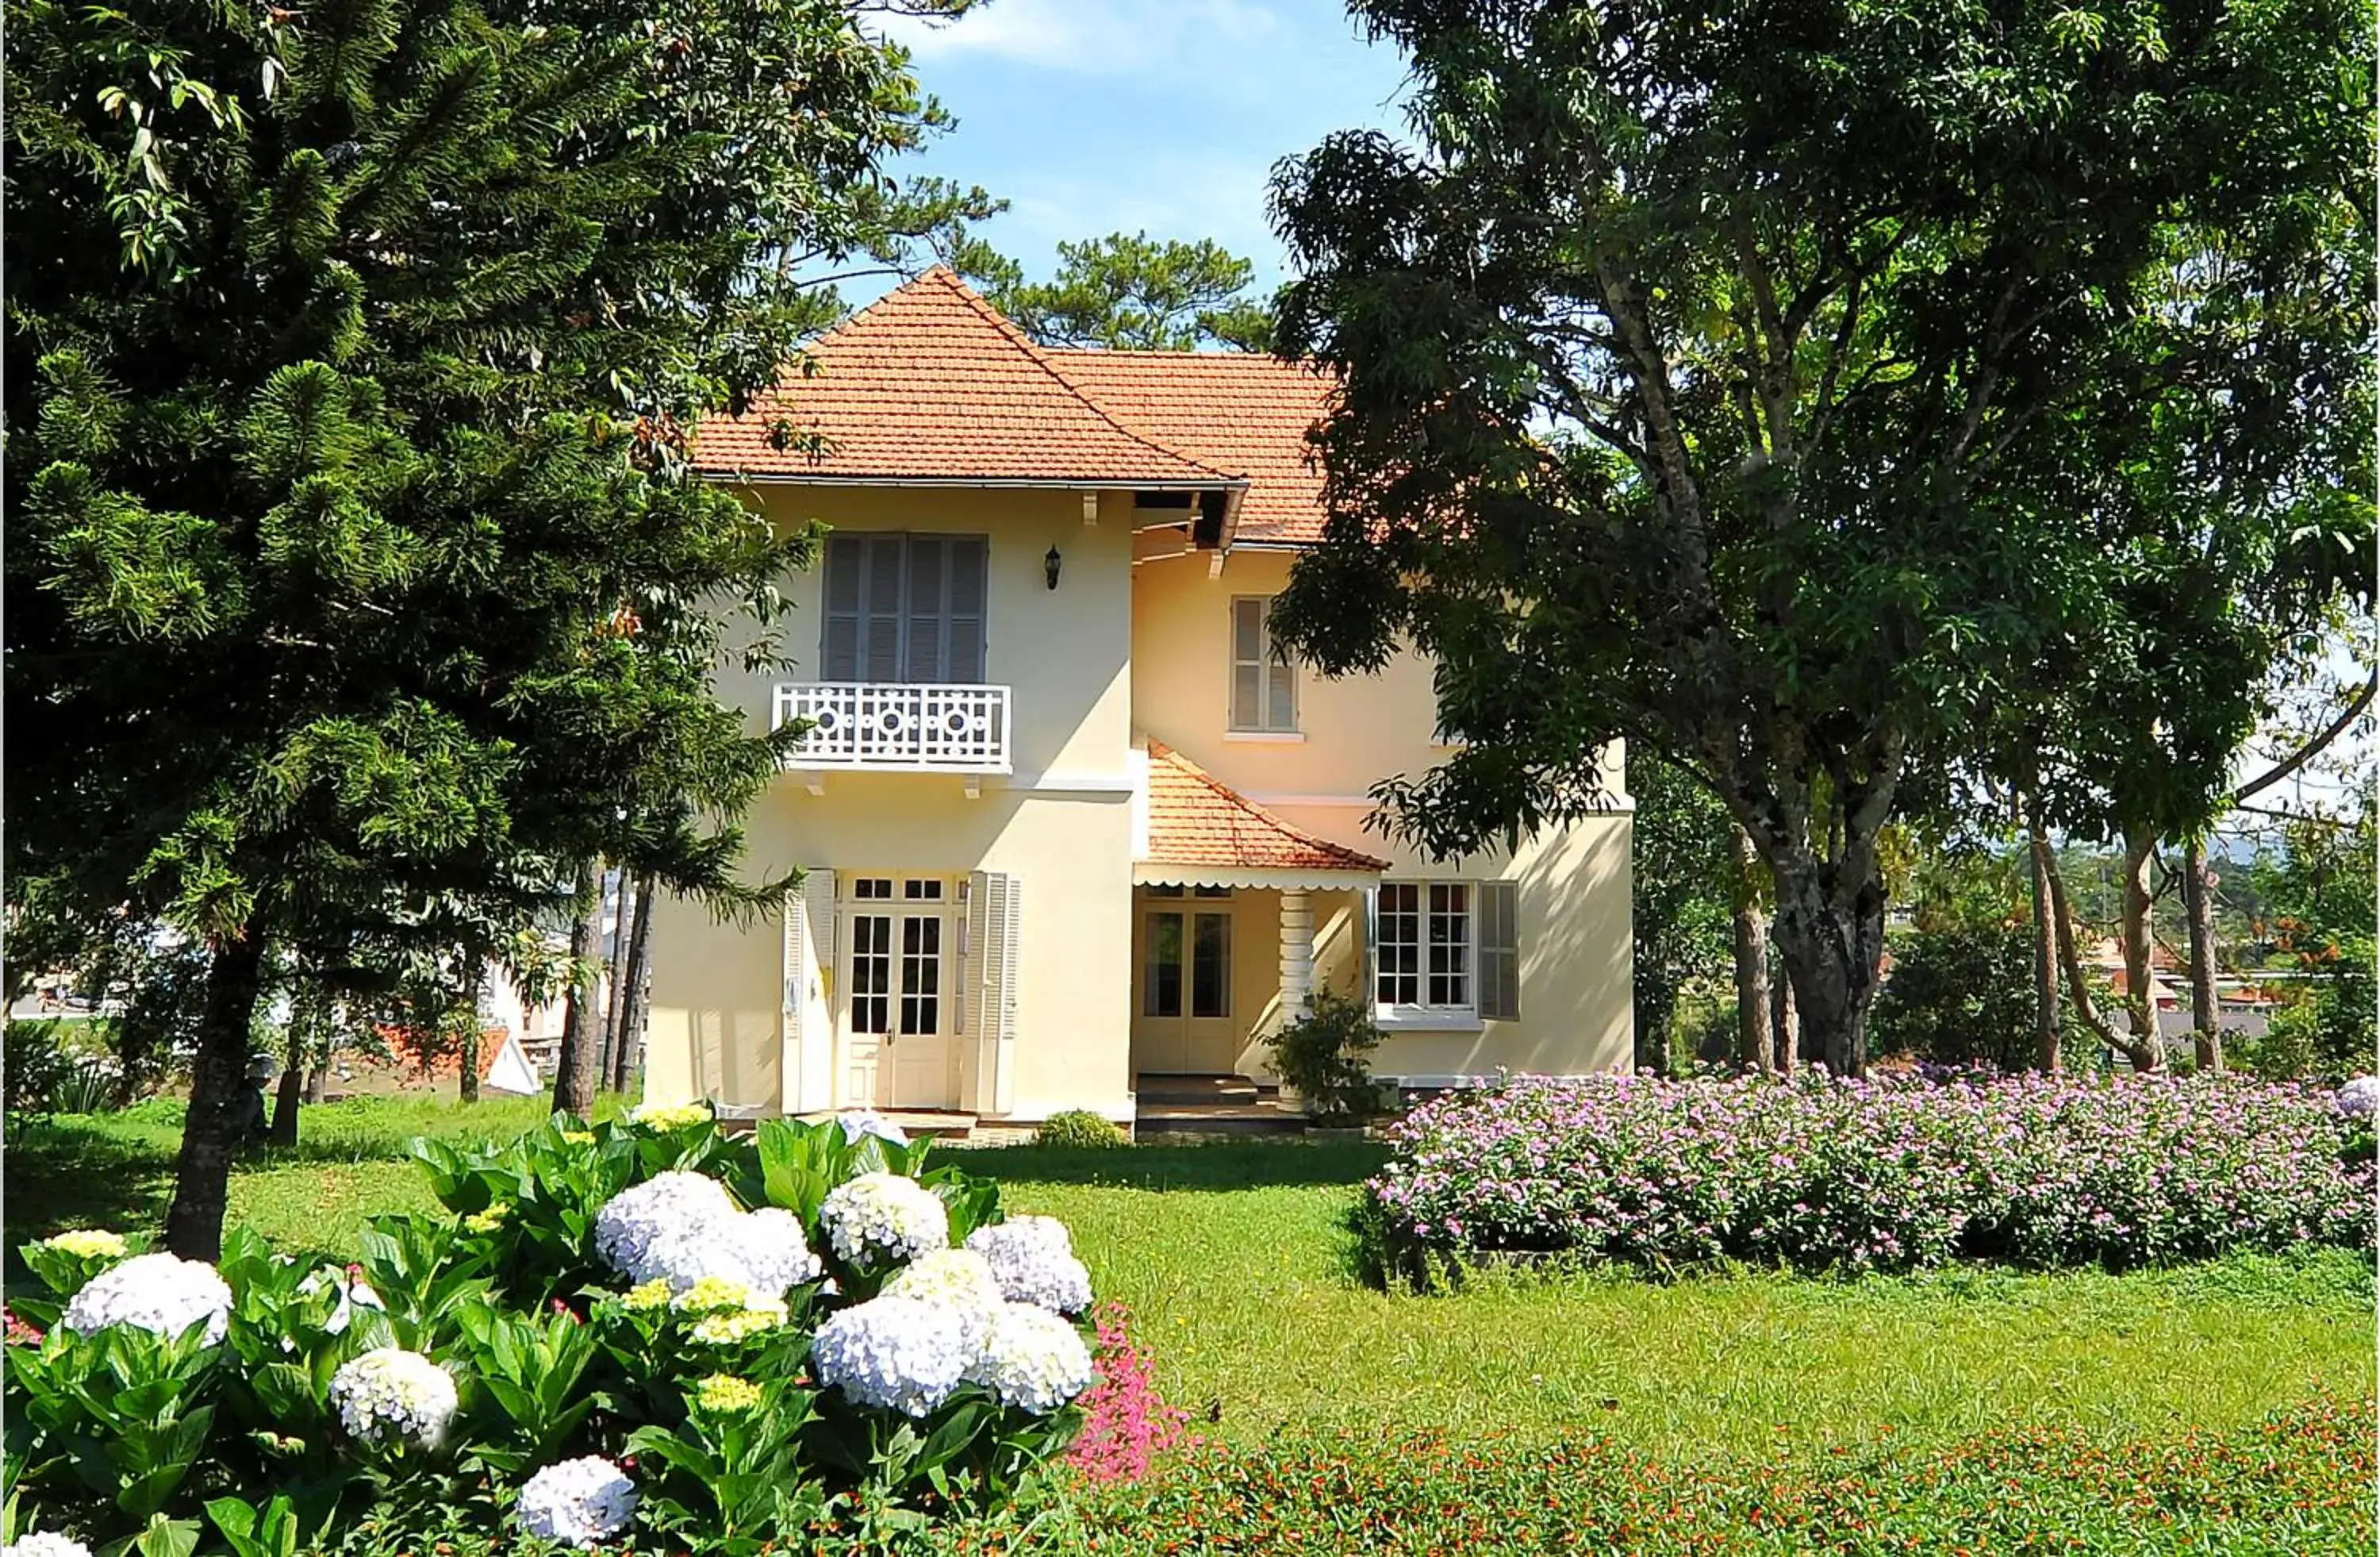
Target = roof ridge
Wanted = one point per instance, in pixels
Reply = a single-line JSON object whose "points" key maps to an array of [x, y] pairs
{"points": [[951, 282], [1158, 749]]}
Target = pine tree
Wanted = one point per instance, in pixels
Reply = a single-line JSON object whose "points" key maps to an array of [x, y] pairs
{"points": [[359, 582]]}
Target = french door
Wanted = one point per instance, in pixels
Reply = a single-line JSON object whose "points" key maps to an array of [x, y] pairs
{"points": [[1182, 1021], [901, 940]]}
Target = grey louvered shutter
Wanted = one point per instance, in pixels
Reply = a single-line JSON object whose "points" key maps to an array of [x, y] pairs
{"points": [[846, 570], [1499, 952], [879, 633], [924, 620], [962, 658]]}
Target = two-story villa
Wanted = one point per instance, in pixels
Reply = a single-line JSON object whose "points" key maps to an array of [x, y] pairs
{"points": [[1067, 819]]}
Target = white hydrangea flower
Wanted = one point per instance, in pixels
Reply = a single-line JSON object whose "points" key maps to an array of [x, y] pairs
{"points": [[1032, 1358], [581, 1502], [1030, 1255], [2359, 1098], [153, 1292], [894, 1351], [859, 1123], [959, 1280], [884, 1214], [773, 1248], [41, 1543], [390, 1393], [353, 1292], [666, 1205]]}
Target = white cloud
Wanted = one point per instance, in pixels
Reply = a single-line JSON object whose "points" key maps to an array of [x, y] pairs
{"points": [[1100, 37]]}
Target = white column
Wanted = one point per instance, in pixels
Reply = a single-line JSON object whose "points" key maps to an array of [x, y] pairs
{"points": [[1296, 954]]}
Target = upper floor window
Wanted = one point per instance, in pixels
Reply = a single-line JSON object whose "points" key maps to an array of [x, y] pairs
{"points": [[1264, 683], [905, 608]]}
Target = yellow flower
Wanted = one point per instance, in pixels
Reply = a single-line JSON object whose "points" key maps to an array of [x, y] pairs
{"points": [[578, 1138], [723, 1330], [671, 1116], [490, 1220], [88, 1243], [724, 1393], [645, 1296], [711, 1295]]}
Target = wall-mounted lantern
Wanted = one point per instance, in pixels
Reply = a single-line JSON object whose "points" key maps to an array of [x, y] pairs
{"points": [[1050, 566]]}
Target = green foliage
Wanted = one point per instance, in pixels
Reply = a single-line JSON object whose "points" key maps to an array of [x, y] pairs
{"points": [[1322, 1054], [2320, 902], [1822, 403], [1079, 1130], [122, 1436], [1129, 293], [1683, 889], [365, 575], [1962, 994]]}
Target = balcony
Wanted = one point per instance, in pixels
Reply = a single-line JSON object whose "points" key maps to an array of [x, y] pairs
{"points": [[918, 727]]}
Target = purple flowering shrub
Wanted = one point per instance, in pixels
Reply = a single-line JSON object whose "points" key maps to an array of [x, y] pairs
{"points": [[1889, 1174]]}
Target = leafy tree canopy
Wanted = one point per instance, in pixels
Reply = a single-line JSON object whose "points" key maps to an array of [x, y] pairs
{"points": [[359, 578], [1128, 292], [1788, 389]]}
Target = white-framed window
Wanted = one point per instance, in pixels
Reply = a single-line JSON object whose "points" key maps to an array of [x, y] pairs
{"points": [[1264, 683], [1447, 949]]}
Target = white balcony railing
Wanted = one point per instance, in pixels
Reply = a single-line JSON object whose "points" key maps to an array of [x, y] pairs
{"points": [[917, 727]]}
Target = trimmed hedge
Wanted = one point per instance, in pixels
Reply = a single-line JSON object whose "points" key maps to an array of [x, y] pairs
{"points": [[1895, 1175]]}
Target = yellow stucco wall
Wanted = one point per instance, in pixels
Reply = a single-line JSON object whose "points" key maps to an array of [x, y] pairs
{"points": [[1574, 882], [1119, 646]]}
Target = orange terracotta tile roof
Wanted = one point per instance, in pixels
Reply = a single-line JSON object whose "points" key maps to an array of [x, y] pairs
{"points": [[1237, 410], [1196, 819], [930, 383]]}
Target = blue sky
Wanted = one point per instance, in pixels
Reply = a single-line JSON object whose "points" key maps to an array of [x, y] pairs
{"points": [[1094, 116]]}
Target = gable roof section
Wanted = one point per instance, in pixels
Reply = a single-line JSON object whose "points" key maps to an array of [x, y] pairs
{"points": [[1196, 820], [929, 384], [1238, 410]]}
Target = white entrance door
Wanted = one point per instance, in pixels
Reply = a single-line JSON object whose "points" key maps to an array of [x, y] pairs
{"points": [[897, 1051], [1182, 1020]]}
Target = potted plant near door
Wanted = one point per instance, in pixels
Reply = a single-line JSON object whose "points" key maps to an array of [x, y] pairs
{"points": [[1322, 1056]]}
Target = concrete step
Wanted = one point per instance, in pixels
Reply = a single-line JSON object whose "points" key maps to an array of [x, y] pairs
{"points": [[1182, 1121], [1171, 1089]]}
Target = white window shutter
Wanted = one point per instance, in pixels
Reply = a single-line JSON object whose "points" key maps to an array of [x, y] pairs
{"points": [[1368, 991], [818, 897], [1005, 930]]}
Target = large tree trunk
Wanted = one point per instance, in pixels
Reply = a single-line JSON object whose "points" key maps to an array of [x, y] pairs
{"points": [[211, 1130], [1789, 1024], [466, 1052], [2047, 1022], [2198, 900], [574, 1071], [2140, 995], [629, 1045], [1832, 939], [318, 1081], [1752, 1034], [286, 1098]]}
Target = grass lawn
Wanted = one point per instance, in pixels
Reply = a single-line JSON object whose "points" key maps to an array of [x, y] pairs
{"points": [[1233, 1261]]}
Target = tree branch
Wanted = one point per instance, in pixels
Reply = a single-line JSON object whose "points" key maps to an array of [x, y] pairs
{"points": [[2312, 747]]}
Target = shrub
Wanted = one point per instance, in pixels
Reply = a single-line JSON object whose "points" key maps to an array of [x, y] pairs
{"points": [[1962, 994], [1322, 1055], [606, 1337], [1079, 1130], [1854, 1176]]}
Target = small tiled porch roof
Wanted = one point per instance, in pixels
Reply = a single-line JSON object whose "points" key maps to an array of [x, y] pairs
{"points": [[1198, 825]]}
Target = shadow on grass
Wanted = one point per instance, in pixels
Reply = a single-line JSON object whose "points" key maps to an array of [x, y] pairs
{"points": [[1249, 1162], [62, 1174]]}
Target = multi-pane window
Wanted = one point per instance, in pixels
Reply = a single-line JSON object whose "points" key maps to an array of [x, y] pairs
{"points": [[921, 973], [871, 973], [1447, 946], [1203, 942], [1264, 683], [905, 608]]}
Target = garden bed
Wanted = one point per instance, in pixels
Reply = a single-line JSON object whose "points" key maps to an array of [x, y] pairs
{"points": [[1847, 1177]]}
